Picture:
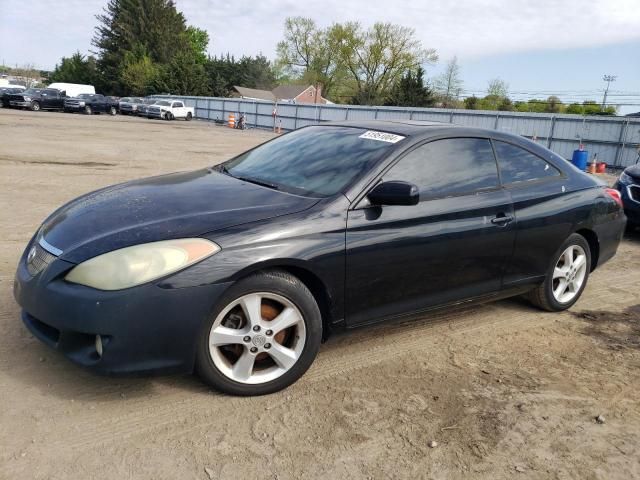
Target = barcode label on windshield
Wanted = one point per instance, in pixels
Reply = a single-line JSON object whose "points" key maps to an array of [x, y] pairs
{"points": [[382, 136]]}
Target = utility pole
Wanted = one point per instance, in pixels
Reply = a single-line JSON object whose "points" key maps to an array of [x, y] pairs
{"points": [[608, 79]]}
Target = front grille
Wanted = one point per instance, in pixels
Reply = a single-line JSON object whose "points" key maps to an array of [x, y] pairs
{"points": [[634, 193], [38, 259]]}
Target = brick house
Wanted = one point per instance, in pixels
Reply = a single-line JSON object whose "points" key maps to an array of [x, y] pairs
{"points": [[284, 94]]}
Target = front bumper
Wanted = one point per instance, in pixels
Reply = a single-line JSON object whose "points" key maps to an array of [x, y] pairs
{"points": [[144, 329], [15, 103], [75, 108]]}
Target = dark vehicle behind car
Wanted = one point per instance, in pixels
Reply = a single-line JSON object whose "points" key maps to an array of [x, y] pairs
{"points": [[38, 99], [143, 109], [131, 106], [629, 187], [5, 92], [90, 103]]}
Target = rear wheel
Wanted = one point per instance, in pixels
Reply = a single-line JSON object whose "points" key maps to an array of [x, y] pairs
{"points": [[566, 278], [189, 116], [262, 337], [35, 106]]}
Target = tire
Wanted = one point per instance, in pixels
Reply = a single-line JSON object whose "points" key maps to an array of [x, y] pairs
{"points": [[113, 111], [188, 117], [546, 296], [35, 106], [271, 367], [88, 110], [168, 116]]}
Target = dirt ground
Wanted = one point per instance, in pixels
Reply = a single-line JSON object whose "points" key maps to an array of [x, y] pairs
{"points": [[503, 389]]}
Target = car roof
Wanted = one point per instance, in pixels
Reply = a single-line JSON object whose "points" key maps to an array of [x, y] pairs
{"points": [[399, 127]]}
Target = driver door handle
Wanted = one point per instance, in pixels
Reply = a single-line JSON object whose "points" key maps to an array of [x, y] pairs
{"points": [[502, 220]]}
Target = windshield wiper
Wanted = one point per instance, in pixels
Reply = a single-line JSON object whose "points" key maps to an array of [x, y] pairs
{"points": [[222, 169], [258, 182]]}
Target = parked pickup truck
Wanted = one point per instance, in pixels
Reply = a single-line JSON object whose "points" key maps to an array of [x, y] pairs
{"points": [[91, 103], [38, 99], [169, 110]]}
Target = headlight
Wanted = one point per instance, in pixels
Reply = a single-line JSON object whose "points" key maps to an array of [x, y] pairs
{"points": [[82, 104], [27, 99], [625, 178], [134, 107], [140, 264]]}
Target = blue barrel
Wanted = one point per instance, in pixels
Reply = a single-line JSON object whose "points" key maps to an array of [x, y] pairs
{"points": [[580, 158]]}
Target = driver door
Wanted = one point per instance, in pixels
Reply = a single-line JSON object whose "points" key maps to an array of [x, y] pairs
{"points": [[453, 245]]}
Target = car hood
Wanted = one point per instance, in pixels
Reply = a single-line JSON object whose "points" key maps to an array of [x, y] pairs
{"points": [[633, 171], [179, 205]]}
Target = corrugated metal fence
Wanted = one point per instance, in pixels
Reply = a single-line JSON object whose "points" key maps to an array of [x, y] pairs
{"points": [[616, 140]]}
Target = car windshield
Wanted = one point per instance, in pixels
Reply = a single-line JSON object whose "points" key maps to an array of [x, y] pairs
{"points": [[163, 103], [31, 91], [125, 99], [137, 100], [85, 95], [313, 161]]}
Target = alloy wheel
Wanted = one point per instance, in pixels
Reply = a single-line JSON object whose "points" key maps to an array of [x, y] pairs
{"points": [[257, 338], [569, 274]]}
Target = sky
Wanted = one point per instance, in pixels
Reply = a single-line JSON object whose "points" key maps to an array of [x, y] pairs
{"points": [[538, 47]]}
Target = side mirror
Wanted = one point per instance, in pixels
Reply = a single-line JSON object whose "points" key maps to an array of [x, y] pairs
{"points": [[394, 193]]}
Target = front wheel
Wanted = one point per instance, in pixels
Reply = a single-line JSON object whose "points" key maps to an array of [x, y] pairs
{"points": [[566, 278], [113, 111], [168, 116], [35, 106], [263, 335], [88, 110]]}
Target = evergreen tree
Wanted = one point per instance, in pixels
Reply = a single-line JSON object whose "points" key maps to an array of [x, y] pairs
{"points": [[410, 91], [129, 25], [75, 69]]}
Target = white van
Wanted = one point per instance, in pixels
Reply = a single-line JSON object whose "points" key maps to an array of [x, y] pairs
{"points": [[73, 89]]}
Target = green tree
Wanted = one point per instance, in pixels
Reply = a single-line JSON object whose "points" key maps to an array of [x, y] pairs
{"points": [[410, 91], [449, 83], [498, 88], [471, 103], [127, 25], [75, 69], [348, 60], [183, 75], [310, 54], [554, 105], [378, 57], [198, 41], [139, 74]]}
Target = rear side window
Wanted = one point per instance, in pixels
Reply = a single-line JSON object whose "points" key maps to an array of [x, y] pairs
{"points": [[519, 165], [453, 166]]}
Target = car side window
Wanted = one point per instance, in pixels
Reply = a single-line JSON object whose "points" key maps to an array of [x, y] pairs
{"points": [[519, 165], [178, 104], [448, 167]]}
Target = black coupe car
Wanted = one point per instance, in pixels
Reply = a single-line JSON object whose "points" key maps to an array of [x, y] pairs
{"points": [[239, 271]]}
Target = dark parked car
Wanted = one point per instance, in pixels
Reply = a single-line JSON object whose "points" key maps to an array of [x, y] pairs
{"points": [[240, 270], [38, 99], [146, 103], [629, 186], [91, 103], [130, 105], [5, 92]]}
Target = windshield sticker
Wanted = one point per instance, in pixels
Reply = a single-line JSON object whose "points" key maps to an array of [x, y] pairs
{"points": [[382, 136]]}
